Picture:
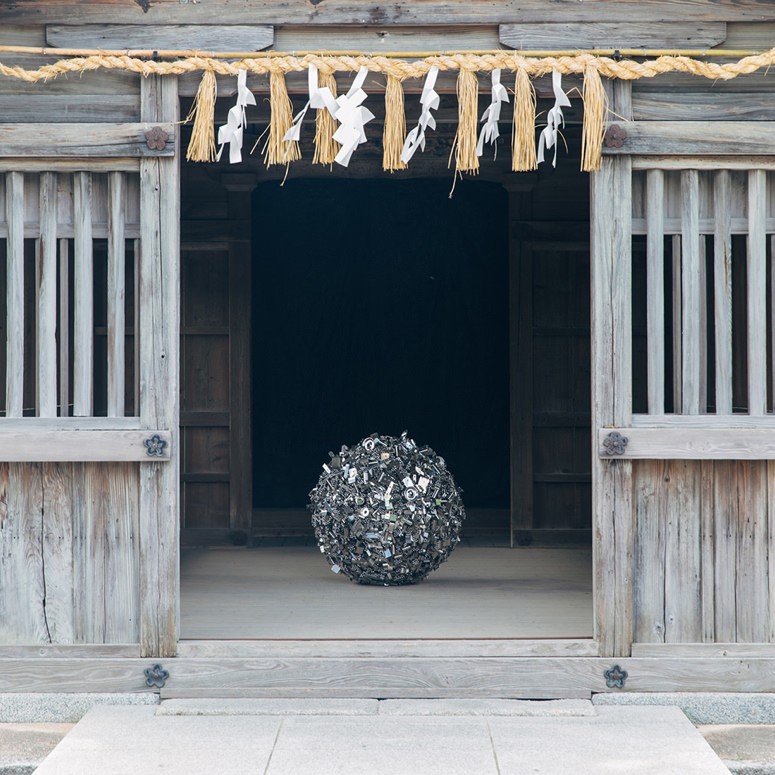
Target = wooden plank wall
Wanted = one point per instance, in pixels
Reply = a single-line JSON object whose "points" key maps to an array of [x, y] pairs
{"points": [[703, 549], [69, 548]]}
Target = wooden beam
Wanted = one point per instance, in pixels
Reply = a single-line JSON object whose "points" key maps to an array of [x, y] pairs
{"points": [[14, 215], [612, 35], [722, 291], [83, 141], [279, 675], [690, 293], [611, 360], [696, 137], [691, 443], [361, 12], [159, 331], [60, 446], [204, 37]]}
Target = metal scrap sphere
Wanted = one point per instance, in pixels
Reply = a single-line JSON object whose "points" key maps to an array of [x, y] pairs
{"points": [[386, 511]]}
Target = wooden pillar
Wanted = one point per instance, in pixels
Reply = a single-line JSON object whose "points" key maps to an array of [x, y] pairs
{"points": [[159, 366], [611, 279], [240, 187]]}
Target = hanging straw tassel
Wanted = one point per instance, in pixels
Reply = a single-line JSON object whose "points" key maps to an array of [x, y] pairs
{"points": [[394, 132], [523, 137], [595, 109], [466, 159], [201, 147], [326, 147], [275, 150]]}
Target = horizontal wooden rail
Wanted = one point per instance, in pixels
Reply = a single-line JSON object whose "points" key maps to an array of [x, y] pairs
{"points": [[63, 446], [691, 443], [84, 140], [733, 138]]}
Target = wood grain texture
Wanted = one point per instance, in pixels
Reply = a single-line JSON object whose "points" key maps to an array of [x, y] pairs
{"points": [[702, 105], [757, 292], [48, 164], [717, 421], [676, 333], [80, 445], [23, 617], [206, 37], [361, 12], [83, 348], [83, 140], [683, 602], [708, 557], [655, 280], [14, 217], [46, 300], [695, 137], [649, 559], [116, 294], [611, 332], [693, 650], [63, 330], [752, 589], [722, 292], [691, 335], [693, 443], [725, 550], [652, 34], [159, 359], [37, 108]]}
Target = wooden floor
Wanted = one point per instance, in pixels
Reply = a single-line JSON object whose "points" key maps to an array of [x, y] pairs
{"points": [[289, 592]]}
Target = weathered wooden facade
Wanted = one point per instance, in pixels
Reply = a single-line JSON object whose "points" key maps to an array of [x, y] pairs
{"points": [[125, 304]]}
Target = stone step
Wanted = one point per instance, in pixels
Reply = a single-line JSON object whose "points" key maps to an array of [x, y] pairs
{"points": [[399, 737]]}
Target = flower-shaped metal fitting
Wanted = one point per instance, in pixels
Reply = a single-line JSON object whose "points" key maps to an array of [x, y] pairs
{"points": [[156, 138], [615, 136], [615, 677], [156, 446], [156, 676], [615, 443]]}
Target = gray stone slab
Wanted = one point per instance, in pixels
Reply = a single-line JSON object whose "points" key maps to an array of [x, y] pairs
{"points": [[703, 707], [383, 746], [268, 707], [131, 740], [24, 746], [745, 749], [62, 707], [486, 707], [630, 741]]}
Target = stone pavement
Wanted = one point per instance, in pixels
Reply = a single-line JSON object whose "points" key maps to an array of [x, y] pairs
{"points": [[394, 737]]}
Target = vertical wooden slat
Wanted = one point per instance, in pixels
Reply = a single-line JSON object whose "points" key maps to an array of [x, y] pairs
{"points": [[703, 324], [690, 292], [64, 328], [655, 287], [116, 295], [677, 324], [649, 561], [725, 549], [752, 590], [757, 292], [722, 291], [611, 335], [56, 479], [159, 398], [46, 342], [771, 546], [14, 215], [683, 564], [707, 542], [83, 393], [136, 336]]}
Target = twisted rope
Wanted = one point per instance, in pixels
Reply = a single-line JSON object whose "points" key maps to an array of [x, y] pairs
{"points": [[626, 69]]}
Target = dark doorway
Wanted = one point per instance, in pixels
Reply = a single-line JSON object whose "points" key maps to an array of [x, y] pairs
{"points": [[379, 306]]}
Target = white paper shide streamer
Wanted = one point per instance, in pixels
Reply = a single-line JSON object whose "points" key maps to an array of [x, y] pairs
{"points": [[352, 117], [429, 101], [318, 100], [554, 119], [231, 132], [491, 116]]}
